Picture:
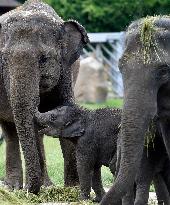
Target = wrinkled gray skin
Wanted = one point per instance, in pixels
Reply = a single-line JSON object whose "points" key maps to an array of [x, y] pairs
{"points": [[37, 49], [154, 166], [95, 136], [146, 93]]}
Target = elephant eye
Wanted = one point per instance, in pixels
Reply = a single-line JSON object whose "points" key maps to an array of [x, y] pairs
{"points": [[43, 59], [53, 117]]}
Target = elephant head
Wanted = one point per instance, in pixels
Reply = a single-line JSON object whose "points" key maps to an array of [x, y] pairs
{"points": [[146, 74], [65, 122], [37, 49]]}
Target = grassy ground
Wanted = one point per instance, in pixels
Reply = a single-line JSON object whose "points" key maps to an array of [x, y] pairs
{"points": [[109, 103]]}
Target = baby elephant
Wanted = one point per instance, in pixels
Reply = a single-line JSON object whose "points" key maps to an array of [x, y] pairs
{"points": [[95, 135]]}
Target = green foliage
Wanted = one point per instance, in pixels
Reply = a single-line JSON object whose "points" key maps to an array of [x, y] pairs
{"points": [[108, 15]]}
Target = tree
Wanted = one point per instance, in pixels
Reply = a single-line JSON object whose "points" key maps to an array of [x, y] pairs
{"points": [[108, 15]]}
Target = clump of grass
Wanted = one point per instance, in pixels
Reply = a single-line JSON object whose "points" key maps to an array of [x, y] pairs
{"points": [[7, 197], [51, 194], [147, 34]]}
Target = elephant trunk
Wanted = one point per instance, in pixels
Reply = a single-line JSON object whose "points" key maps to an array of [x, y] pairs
{"points": [[137, 113], [22, 66]]}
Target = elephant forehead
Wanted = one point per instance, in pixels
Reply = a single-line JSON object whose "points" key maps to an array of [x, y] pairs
{"points": [[147, 40], [32, 15]]}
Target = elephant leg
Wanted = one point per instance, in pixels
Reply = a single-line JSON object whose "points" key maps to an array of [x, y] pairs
{"points": [[85, 177], [142, 193], [46, 181], [129, 198], [70, 167], [162, 193], [14, 172], [144, 178], [112, 165], [97, 184]]}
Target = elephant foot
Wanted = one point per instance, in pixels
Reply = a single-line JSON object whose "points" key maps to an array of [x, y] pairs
{"points": [[33, 186], [14, 183]]}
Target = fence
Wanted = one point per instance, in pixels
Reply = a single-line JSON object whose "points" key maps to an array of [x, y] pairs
{"points": [[108, 48]]}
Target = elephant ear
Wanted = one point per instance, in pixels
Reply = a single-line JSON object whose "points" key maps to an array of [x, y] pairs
{"points": [[73, 130], [75, 37]]}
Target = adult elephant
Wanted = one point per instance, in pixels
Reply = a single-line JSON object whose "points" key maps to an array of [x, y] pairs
{"points": [[37, 49], [146, 77], [14, 178]]}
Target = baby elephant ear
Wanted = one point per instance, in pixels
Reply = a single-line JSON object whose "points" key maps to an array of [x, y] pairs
{"points": [[75, 38], [73, 130]]}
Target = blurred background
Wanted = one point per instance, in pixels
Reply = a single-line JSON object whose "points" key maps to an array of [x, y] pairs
{"points": [[99, 79]]}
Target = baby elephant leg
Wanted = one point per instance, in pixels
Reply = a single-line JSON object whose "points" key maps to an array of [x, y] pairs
{"points": [[14, 173], [70, 166], [85, 177], [97, 184]]}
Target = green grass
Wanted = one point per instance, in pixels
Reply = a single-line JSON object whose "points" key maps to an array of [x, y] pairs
{"points": [[109, 103], [54, 158]]}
